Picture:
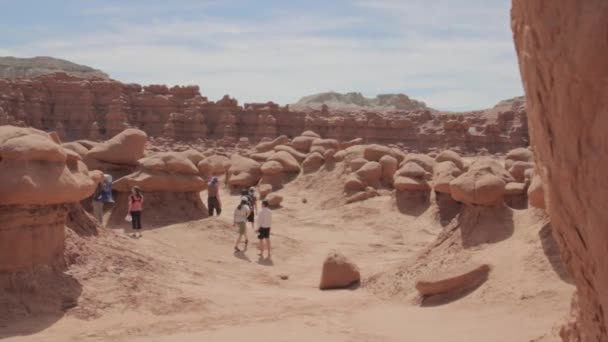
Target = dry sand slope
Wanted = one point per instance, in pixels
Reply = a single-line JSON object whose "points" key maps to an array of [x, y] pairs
{"points": [[183, 283]]}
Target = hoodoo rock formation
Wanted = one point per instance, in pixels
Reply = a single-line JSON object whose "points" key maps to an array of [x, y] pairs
{"points": [[562, 50], [40, 181], [98, 109]]}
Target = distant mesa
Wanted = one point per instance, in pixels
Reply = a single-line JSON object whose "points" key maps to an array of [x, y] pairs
{"points": [[13, 68], [356, 101]]}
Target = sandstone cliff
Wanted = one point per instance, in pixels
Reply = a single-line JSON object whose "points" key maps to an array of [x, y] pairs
{"points": [[562, 49], [13, 67], [98, 109]]}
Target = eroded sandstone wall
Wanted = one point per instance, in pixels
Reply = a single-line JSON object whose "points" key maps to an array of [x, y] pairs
{"points": [[563, 48], [98, 109]]}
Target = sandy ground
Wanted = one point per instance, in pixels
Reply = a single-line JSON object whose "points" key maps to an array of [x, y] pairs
{"points": [[184, 283]]}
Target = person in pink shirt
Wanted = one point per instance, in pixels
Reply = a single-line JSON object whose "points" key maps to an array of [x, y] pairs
{"points": [[136, 202]]}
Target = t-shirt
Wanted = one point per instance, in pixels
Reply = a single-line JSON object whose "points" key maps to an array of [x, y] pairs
{"points": [[265, 218], [136, 203], [240, 215], [213, 189]]}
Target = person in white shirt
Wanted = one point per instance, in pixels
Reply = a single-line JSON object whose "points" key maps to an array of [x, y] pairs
{"points": [[264, 223], [241, 212]]}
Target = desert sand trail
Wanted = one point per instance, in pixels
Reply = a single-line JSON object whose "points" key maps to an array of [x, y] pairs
{"points": [[183, 282]]}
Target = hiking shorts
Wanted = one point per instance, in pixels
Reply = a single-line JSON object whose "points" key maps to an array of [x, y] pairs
{"points": [[241, 226], [264, 233]]}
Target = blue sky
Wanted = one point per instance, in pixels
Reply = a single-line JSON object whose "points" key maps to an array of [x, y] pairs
{"points": [[454, 55]]}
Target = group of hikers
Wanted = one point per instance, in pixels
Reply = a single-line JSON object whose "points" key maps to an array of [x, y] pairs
{"points": [[245, 211]]}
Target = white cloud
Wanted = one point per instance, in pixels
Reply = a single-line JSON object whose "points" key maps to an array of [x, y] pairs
{"points": [[290, 56]]}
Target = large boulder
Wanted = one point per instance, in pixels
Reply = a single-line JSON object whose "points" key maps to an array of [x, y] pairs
{"points": [[518, 170], [76, 147], [274, 200], [290, 164], [443, 174], [298, 155], [310, 134], [243, 172], [126, 148], [36, 170], [338, 272], [194, 156], [353, 183], [426, 162], [272, 167], [302, 143], [356, 164], [214, 165], [375, 152], [262, 157], [478, 187], [326, 143], [457, 280], [492, 166], [370, 173], [171, 162], [368, 193], [520, 154], [411, 177], [313, 162], [450, 156]]}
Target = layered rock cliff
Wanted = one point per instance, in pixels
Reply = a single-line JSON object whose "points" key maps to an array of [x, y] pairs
{"points": [[98, 109]]}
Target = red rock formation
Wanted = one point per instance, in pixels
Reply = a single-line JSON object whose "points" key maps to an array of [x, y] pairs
{"points": [[98, 109], [562, 49]]}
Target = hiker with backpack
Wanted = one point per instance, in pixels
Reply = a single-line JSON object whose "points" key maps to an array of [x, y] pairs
{"points": [[241, 213], [213, 197], [136, 202], [102, 195]]}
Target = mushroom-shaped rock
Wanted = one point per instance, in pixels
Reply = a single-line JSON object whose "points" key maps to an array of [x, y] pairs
{"points": [[536, 195], [518, 170], [478, 187], [243, 172], [452, 156], [375, 152], [389, 166], [310, 134], [36, 170], [155, 182], [443, 173], [338, 272], [213, 165], [313, 162], [411, 169], [302, 143], [326, 143], [370, 173], [298, 155], [353, 183], [274, 200], [126, 148], [269, 145], [175, 162], [492, 166], [290, 164], [357, 163], [426, 162], [467, 277], [272, 167]]}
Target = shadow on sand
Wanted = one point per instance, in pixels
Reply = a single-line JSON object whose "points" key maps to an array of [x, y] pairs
{"points": [[552, 252]]}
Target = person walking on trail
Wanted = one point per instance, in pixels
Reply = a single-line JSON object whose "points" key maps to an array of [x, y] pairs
{"points": [[241, 212], [264, 224], [136, 203], [213, 197], [102, 195]]}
